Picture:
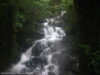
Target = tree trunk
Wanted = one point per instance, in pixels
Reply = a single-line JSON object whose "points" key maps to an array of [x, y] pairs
{"points": [[6, 34]]}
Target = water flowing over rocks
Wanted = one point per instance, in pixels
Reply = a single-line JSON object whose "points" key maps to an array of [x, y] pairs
{"points": [[42, 58]]}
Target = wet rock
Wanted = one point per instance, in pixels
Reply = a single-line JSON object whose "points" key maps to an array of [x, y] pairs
{"points": [[37, 49], [34, 62], [51, 67], [51, 73]]}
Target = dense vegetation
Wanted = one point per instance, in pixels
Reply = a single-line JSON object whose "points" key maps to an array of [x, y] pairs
{"points": [[20, 20]]}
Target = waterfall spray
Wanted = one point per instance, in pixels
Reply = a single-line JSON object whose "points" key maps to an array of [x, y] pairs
{"points": [[38, 59]]}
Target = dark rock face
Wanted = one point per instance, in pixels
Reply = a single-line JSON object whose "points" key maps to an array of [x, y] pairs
{"points": [[6, 31], [34, 62], [37, 49], [89, 13], [51, 73], [89, 21]]}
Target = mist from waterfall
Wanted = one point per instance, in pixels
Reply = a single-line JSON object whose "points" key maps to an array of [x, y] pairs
{"points": [[42, 57]]}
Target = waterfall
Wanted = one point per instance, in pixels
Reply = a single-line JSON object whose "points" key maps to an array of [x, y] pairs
{"points": [[40, 58]]}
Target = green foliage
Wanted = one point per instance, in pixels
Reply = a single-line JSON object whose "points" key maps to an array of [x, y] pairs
{"points": [[35, 10], [86, 49], [44, 8], [96, 61], [93, 57]]}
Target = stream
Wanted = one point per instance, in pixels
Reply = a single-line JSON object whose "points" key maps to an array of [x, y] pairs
{"points": [[42, 58]]}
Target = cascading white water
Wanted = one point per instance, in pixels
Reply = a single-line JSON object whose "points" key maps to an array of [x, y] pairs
{"points": [[38, 59]]}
